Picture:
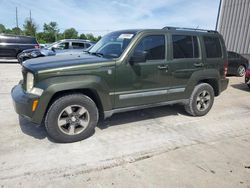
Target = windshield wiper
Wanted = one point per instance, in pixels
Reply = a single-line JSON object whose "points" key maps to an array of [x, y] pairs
{"points": [[96, 54]]}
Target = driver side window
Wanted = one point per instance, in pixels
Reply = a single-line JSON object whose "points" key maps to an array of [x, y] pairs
{"points": [[62, 46], [153, 46]]}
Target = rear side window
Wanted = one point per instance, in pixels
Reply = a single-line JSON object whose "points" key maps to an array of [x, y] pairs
{"points": [[77, 45], [212, 46], [185, 46], [153, 46]]}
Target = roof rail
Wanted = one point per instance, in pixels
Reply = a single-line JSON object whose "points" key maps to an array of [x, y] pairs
{"points": [[188, 29]]}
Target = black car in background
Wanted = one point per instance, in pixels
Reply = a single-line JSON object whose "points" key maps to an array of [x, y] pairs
{"points": [[237, 64], [65, 46], [12, 45]]}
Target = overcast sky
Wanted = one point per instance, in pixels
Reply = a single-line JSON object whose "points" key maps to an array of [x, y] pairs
{"points": [[101, 16]]}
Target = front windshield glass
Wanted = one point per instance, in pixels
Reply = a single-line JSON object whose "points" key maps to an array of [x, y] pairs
{"points": [[113, 44], [51, 45]]}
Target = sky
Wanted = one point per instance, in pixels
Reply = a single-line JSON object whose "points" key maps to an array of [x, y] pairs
{"points": [[102, 16]]}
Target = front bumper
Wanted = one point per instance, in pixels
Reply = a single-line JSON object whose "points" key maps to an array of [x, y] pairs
{"points": [[223, 84], [23, 101]]}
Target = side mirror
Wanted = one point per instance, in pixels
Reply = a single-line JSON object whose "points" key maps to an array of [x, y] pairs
{"points": [[53, 49], [138, 57]]}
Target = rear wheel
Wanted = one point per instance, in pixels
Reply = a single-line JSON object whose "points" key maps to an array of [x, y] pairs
{"points": [[201, 100], [71, 118], [241, 71]]}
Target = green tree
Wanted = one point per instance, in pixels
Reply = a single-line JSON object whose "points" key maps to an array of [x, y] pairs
{"points": [[70, 33], [82, 36], [40, 38], [29, 27], [51, 32], [16, 31], [90, 37], [2, 28], [98, 38]]}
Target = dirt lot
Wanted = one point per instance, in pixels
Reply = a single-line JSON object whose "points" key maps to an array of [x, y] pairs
{"points": [[157, 147]]}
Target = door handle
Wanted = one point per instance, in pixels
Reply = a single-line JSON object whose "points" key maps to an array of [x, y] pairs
{"points": [[198, 64], [161, 67]]}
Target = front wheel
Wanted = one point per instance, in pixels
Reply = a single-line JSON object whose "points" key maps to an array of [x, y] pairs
{"points": [[71, 118], [201, 100]]}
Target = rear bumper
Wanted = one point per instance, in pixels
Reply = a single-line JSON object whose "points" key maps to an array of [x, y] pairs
{"points": [[223, 84], [22, 102], [247, 80]]}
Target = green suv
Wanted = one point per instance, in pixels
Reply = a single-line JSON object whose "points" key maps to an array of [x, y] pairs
{"points": [[126, 70]]}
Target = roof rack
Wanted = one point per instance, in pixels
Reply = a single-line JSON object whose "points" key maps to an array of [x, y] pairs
{"points": [[188, 29]]}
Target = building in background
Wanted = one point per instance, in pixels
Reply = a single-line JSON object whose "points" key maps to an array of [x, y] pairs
{"points": [[234, 24]]}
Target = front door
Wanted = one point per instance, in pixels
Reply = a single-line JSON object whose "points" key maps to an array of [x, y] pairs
{"points": [[144, 82]]}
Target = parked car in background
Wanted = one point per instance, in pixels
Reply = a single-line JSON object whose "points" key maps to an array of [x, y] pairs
{"points": [[247, 76], [126, 70], [12, 45], [237, 64], [60, 47]]}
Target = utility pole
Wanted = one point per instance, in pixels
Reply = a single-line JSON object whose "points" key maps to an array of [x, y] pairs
{"points": [[16, 19], [30, 15]]}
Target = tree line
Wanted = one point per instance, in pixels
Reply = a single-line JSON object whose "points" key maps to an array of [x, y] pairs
{"points": [[50, 33]]}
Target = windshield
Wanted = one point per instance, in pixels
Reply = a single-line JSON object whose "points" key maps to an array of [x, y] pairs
{"points": [[113, 44], [51, 45]]}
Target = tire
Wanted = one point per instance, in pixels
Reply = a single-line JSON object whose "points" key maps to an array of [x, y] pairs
{"points": [[241, 71], [71, 118], [201, 100]]}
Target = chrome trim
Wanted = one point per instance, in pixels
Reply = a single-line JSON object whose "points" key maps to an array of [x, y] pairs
{"points": [[142, 94], [148, 93], [109, 113], [20, 44], [176, 90]]}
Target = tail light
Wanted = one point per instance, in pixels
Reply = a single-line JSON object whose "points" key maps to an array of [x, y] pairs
{"points": [[248, 73], [37, 46], [225, 68]]}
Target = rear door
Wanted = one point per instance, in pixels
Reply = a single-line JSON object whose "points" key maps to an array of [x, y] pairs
{"points": [[185, 59], [214, 53], [8, 46]]}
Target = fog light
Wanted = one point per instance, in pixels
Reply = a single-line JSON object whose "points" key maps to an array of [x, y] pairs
{"points": [[34, 105]]}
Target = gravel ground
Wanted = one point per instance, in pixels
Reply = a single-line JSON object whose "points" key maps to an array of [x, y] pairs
{"points": [[156, 147]]}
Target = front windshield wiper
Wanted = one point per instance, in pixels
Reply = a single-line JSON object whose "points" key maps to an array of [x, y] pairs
{"points": [[96, 54]]}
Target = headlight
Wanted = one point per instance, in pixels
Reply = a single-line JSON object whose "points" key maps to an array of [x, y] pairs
{"points": [[34, 54], [30, 85], [29, 81]]}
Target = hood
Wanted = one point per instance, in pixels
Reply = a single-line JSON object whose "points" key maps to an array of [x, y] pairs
{"points": [[43, 51], [53, 62]]}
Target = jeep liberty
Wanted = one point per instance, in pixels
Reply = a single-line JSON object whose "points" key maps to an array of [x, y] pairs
{"points": [[126, 70]]}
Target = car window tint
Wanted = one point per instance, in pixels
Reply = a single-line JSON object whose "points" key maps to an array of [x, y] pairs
{"points": [[212, 46], [185, 46], [153, 46], [77, 45], [230, 55], [87, 45], [62, 46]]}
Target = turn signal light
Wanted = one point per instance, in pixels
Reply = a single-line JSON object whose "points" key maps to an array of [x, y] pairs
{"points": [[34, 105]]}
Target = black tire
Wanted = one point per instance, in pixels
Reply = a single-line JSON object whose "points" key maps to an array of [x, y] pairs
{"points": [[57, 108], [241, 71], [192, 106]]}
